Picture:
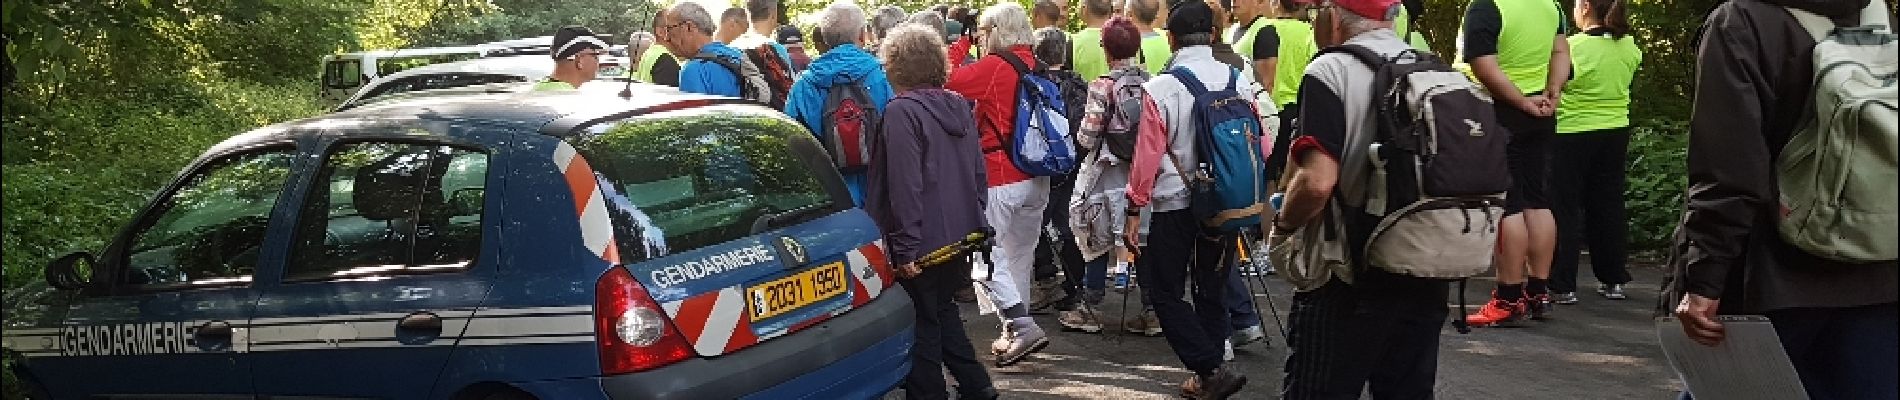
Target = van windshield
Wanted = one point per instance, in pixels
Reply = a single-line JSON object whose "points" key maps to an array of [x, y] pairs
{"points": [[682, 183]]}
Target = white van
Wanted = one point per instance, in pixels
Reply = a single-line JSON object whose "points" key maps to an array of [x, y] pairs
{"points": [[345, 74]]}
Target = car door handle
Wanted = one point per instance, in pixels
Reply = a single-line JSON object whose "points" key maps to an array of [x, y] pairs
{"points": [[420, 323], [213, 331]]}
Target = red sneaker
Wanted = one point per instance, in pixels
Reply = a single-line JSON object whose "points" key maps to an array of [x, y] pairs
{"points": [[1539, 305], [1498, 312]]}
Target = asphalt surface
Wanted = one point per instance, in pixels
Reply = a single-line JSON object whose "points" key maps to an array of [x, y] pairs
{"points": [[1600, 349]]}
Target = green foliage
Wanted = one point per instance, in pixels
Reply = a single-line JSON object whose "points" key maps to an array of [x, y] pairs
{"points": [[514, 19], [1658, 155]]}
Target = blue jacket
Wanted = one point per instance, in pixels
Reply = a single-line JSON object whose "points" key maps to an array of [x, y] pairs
{"points": [[706, 77], [845, 63]]}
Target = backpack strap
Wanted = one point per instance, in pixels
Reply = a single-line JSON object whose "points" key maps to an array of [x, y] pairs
{"points": [[1188, 79], [737, 70], [1014, 62], [1364, 55]]}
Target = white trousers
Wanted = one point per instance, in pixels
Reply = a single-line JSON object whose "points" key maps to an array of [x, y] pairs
{"points": [[1015, 212]]}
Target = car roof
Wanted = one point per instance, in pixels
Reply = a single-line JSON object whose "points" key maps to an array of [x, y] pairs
{"points": [[541, 112], [529, 68]]}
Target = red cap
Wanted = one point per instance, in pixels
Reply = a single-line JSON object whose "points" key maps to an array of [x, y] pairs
{"points": [[1377, 10]]}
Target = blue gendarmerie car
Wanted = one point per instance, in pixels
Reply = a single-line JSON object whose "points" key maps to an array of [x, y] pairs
{"points": [[664, 246]]}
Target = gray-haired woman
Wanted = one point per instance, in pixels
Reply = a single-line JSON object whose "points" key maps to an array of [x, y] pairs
{"points": [[926, 191]]}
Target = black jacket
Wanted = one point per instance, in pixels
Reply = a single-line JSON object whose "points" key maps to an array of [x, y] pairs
{"points": [[1753, 81]]}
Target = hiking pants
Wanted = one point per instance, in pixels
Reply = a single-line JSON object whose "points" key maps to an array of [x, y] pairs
{"points": [[1382, 339], [1015, 212], [941, 340], [1180, 254], [1589, 178]]}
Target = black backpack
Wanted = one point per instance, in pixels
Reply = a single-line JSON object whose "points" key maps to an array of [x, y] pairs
{"points": [[778, 76], [1439, 168], [1439, 172]]}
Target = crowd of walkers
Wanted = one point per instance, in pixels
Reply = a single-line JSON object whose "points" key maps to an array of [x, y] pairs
{"points": [[1323, 135]]}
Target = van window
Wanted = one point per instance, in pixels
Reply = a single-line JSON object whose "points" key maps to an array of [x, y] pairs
{"points": [[343, 74], [210, 230], [677, 184], [391, 208]]}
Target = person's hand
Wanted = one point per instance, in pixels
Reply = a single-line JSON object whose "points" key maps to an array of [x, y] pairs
{"points": [[1533, 105], [1131, 235], [1697, 316], [909, 270]]}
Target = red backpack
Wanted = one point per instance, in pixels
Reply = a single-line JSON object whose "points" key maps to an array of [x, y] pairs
{"points": [[850, 121], [778, 76]]}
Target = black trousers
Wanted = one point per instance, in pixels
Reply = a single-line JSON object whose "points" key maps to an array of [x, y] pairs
{"points": [[941, 341], [1060, 254], [1178, 253], [1379, 337], [1590, 177]]}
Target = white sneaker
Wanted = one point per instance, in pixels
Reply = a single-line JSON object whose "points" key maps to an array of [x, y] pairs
{"points": [[1248, 335]]}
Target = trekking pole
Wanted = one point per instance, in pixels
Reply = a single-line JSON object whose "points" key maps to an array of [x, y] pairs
{"points": [[1262, 281]]}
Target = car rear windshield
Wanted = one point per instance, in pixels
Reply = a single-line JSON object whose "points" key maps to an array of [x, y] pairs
{"points": [[438, 81], [674, 184]]}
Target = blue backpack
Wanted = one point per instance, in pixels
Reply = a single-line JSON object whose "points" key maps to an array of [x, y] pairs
{"points": [[1040, 144], [1227, 188]]}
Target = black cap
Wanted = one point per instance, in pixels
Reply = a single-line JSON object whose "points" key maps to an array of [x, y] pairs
{"points": [[571, 40], [789, 35], [1190, 17]]}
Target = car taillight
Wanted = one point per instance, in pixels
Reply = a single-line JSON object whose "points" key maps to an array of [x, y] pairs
{"points": [[631, 329]]}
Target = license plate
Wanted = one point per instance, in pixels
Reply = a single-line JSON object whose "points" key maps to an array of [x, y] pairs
{"points": [[783, 295]]}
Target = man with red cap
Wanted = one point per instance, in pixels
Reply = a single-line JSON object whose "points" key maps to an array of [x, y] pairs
{"points": [[1353, 328]]}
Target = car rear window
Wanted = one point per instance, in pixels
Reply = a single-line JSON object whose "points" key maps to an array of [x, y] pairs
{"points": [[438, 81], [674, 184]]}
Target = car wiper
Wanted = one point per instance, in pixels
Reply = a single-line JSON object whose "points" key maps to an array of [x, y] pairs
{"points": [[770, 221]]}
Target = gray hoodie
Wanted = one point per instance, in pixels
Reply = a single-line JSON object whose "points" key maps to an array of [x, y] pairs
{"points": [[926, 183]]}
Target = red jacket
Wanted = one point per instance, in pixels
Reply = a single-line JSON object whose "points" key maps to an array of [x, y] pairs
{"points": [[991, 83]]}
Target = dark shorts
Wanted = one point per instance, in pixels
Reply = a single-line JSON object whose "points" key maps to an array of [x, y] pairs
{"points": [[1529, 156]]}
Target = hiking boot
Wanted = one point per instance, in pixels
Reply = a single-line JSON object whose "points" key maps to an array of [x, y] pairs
{"points": [[1564, 298], [1539, 305], [1248, 335], [1082, 318], [1024, 338], [1219, 385], [1498, 312], [966, 295], [1044, 294], [1613, 291], [1146, 324]]}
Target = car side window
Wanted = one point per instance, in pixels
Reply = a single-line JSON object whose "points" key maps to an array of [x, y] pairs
{"points": [[211, 229], [391, 208]]}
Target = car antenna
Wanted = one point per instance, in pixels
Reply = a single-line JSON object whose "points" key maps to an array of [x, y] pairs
{"points": [[626, 92]]}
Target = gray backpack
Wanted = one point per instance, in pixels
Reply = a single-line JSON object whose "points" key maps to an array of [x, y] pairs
{"points": [[1837, 174]]}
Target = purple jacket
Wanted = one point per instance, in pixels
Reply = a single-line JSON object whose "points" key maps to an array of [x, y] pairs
{"points": [[926, 181]]}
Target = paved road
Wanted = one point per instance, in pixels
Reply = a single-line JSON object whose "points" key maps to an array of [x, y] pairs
{"points": [[1600, 349]]}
